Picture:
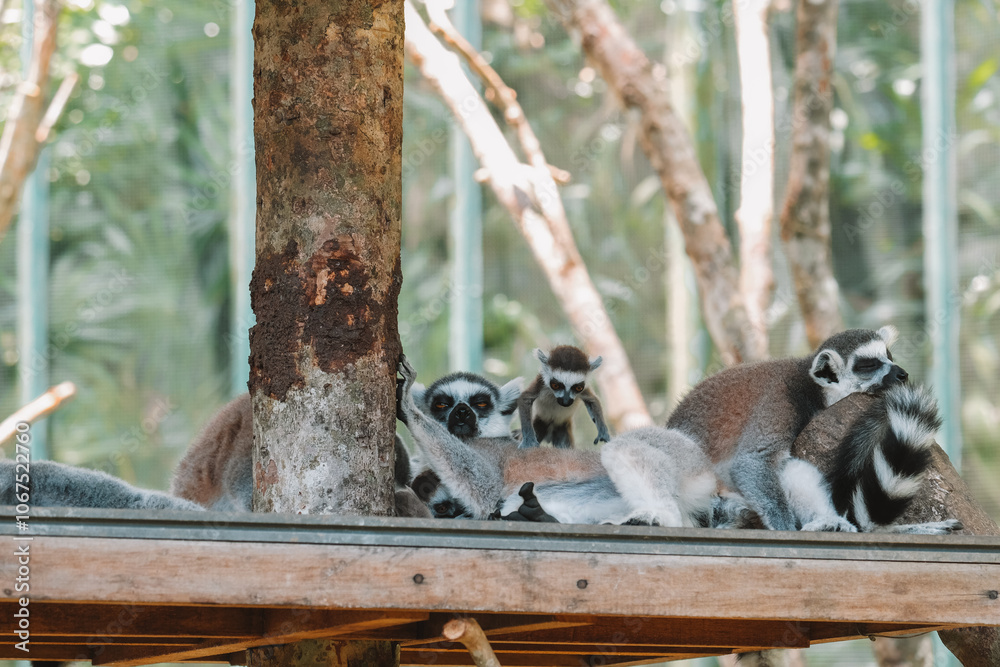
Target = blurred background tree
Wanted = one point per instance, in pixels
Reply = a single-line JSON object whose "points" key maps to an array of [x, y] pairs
{"points": [[142, 164]]}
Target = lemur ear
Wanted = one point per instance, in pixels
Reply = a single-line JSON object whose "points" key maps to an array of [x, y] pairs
{"points": [[542, 357], [418, 390], [889, 334], [509, 393], [826, 368], [594, 363]]}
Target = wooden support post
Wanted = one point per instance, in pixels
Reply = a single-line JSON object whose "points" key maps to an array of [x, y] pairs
{"points": [[468, 632]]}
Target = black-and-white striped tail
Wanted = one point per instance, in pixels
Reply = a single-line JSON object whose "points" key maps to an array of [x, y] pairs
{"points": [[882, 462]]}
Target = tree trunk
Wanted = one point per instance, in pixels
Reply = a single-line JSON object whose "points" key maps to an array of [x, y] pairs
{"points": [[945, 496], [328, 93], [529, 194], [805, 218], [670, 149], [757, 167]]}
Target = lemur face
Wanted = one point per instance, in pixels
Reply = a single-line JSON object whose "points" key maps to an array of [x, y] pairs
{"points": [[565, 370], [471, 406], [856, 361], [565, 385]]}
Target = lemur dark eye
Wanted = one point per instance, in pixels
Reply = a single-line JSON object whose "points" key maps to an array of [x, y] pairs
{"points": [[578, 388], [867, 365], [555, 384]]}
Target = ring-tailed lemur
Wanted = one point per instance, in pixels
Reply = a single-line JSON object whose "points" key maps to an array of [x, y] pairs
{"points": [[747, 417], [51, 484], [650, 475], [546, 408], [469, 406]]}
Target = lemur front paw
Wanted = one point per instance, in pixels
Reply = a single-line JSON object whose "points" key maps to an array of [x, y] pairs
{"points": [[405, 369], [831, 525], [528, 440], [602, 437]]}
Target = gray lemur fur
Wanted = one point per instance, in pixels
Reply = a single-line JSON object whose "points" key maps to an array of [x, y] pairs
{"points": [[651, 475], [547, 406], [470, 407], [746, 419], [59, 485]]}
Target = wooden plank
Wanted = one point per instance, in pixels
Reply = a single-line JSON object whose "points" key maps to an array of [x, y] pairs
{"points": [[516, 660], [638, 631], [281, 627], [823, 633], [499, 535], [56, 640], [425, 579], [99, 621], [509, 648]]}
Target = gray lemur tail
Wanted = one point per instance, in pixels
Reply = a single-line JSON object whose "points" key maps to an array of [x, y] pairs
{"points": [[54, 484], [882, 463]]}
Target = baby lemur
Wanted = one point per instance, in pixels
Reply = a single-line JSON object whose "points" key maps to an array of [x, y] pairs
{"points": [[547, 406], [746, 418]]}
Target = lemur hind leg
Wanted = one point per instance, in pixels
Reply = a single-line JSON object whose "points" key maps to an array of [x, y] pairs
{"points": [[562, 436], [756, 479], [809, 497], [663, 476], [474, 481], [530, 509]]}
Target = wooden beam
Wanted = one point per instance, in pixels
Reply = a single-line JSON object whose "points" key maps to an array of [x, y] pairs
{"points": [[666, 632], [512, 648], [516, 660], [101, 622], [423, 579], [281, 627]]}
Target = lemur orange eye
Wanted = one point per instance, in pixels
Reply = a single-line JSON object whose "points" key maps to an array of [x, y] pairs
{"points": [[440, 406], [578, 388], [555, 384], [482, 404]]}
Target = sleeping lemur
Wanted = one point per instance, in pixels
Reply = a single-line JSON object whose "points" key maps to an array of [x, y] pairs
{"points": [[746, 418]]}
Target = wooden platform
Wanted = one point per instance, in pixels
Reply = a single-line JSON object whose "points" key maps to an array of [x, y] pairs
{"points": [[134, 588]]}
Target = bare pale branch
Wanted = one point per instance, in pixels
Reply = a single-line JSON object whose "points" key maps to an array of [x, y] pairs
{"points": [[18, 147], [667, 143], [531, 197]]}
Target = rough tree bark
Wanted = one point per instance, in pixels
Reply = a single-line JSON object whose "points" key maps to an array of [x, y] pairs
{"points": [[753, 46], [529, 194], [945, 496], [328, 92], [805, 217], [669, 147], [18, 147]]}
